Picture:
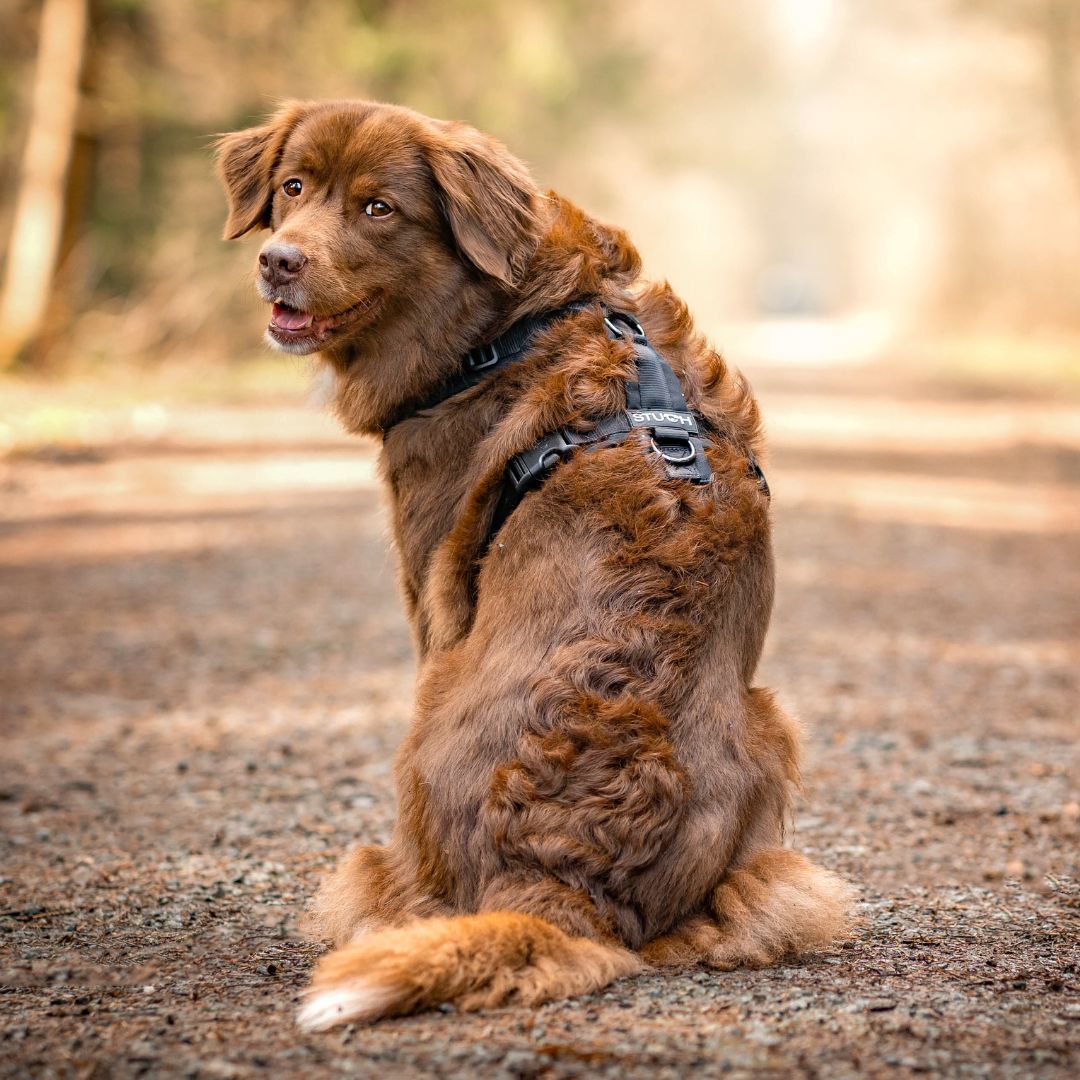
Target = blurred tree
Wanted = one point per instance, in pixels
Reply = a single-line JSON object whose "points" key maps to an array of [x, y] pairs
{"points": [[908, 152], [43, 201], [139, 201], [1055, 26], [1062, 30], [1017, 196]]}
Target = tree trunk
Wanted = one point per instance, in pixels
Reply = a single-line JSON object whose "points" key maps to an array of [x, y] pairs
{"points": [[37, 224], [1063, 39]]}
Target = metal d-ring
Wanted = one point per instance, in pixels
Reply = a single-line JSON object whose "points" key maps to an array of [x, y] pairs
{"points": [[684, 458]]}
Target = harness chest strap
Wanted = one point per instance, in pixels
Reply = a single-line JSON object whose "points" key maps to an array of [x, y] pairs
{"points": [[655, 403], [485, 360]]}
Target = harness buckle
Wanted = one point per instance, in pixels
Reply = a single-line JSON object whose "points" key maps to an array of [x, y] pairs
{"points": [[525, 470], [483, 356], [612, 320]]}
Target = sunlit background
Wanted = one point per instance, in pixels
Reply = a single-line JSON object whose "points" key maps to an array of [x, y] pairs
{"points": [[821, 179], [873, 209]]}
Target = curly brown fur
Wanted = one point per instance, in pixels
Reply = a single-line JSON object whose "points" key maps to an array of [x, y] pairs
{"points": [[591, 780]]}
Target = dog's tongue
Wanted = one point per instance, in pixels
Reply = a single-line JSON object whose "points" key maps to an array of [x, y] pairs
{"points": [[286, 318]]}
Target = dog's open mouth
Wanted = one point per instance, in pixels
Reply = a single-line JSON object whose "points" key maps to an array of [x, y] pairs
{"points": [[289, 324]]}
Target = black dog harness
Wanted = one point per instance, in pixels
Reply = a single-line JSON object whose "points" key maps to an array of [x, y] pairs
{"points": [[654, 403]]}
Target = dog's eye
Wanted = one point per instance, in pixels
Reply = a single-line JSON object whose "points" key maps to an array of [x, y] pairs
{"points": [[292, 187], [378, 208]]}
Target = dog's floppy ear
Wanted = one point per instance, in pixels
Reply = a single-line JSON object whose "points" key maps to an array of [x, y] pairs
{"points": [[488, 197], [245, 165]]}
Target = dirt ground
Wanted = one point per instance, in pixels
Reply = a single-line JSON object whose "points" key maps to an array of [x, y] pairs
{"points": [[205, 671]]}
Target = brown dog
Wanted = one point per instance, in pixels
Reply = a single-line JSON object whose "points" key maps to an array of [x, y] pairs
{"points": [[591, 783]]}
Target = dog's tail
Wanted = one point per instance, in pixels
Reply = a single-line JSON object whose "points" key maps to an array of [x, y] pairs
{"points": [[471, 962]]}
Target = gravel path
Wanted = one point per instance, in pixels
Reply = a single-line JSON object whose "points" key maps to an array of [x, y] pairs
{"points": [[204, 671]]}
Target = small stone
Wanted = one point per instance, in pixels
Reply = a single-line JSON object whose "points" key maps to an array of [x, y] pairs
{"points": [[520, 1061]]}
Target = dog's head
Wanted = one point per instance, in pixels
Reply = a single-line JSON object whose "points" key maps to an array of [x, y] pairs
{"points": [[372, 209]]}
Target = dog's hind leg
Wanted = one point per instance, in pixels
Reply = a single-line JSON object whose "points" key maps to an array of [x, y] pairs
{"points": [[368, 890], [776, 904]]}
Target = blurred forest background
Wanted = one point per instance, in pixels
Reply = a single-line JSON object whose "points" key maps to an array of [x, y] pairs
{"points": [[872, 207], [814, 176]]}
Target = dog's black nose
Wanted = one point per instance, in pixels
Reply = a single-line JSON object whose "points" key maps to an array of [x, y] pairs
{"points": [[280, 263]]}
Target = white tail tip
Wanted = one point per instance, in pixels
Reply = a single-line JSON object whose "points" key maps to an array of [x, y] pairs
{"points": [[355, 1003]]}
